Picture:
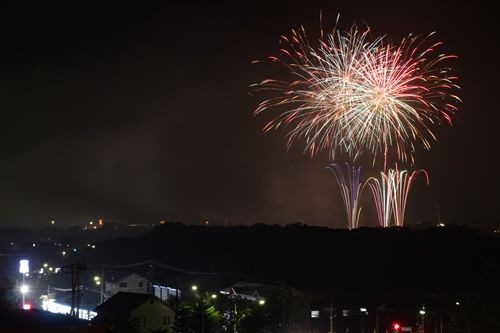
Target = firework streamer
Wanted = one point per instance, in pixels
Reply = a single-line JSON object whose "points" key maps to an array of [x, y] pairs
{"points": [[381, 191], [350, 189], [390, 194], [401, 185]]}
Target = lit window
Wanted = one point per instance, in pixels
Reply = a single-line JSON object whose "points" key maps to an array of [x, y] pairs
{"points": [[315, 314]]}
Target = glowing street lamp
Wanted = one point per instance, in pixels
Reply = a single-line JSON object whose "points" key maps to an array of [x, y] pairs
{"points": [[194, 287], [422, 313], [262, 301], [24, 290], [24, 268]]}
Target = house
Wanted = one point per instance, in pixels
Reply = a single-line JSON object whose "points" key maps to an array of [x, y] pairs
{"points": [[135, 312], [132, 283]]}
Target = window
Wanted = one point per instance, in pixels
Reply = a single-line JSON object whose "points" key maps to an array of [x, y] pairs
{"points": [[315, 314], [138, 322], [140, 284], [123, 284]]}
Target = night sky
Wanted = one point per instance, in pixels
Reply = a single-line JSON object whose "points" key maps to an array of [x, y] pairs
{"points": [[140, 113]]}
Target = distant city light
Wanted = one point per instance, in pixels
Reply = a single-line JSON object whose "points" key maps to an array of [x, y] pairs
{"points": [[457, 303], [440, 225], [262, 301], [214, 296], [24, 266], [96, 278], [34, 244], [194, 287], [52, 222], [63, 253], [422, 312], [27, 306], [315, 314], [45, 265], [93, 246], [363, 309], [54, 307]]}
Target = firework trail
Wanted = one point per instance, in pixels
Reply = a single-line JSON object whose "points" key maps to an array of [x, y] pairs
{"points": [[390, 194], [355, 94], [350, 190], [381, 191]]}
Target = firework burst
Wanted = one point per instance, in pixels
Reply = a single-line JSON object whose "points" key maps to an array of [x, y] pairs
{"points": [[355, 94]]}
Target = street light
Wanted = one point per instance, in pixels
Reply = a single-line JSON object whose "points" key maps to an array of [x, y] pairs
{"points": [[422, 313], [24, 289], [24, 268], [202, 306], [262, 301]]}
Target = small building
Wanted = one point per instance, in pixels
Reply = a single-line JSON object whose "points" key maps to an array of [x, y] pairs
{"points": [[132, 283], [137, 312], [165, 293]]}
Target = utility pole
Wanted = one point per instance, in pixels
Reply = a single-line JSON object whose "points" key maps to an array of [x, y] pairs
{"points": [[102, 283], [235, 317], [331, 318], [76, 293], [285, 298], [177, 318]]}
